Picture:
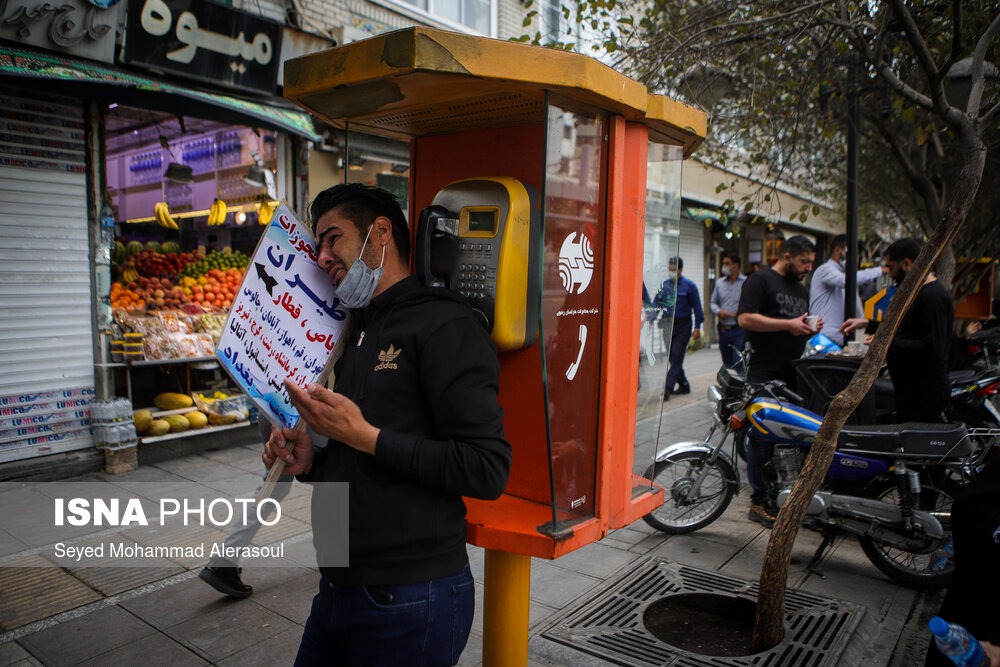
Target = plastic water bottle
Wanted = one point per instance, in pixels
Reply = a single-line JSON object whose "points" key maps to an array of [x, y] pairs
{"points": [[955, 642]]}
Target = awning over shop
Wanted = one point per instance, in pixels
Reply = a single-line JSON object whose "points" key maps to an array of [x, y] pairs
{"points": [[70, 76]]}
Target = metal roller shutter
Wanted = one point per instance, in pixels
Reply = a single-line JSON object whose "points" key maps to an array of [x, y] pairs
{"points": [[46, 347], [693, 253]]}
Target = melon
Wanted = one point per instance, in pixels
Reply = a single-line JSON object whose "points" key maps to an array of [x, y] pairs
{"points": [[133, 247], [143, 420], [153, 246], [158, 427], [197, 419], [168, 247], [178, 423], [172, 401]]}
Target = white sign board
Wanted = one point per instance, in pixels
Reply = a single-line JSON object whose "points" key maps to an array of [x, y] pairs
{"points": [[285, 320]]}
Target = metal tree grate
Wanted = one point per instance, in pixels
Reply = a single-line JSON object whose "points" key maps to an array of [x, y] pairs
{"points": [[609, 625]]}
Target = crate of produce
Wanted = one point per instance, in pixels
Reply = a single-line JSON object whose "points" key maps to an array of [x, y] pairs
{"points": [[222, 406]]}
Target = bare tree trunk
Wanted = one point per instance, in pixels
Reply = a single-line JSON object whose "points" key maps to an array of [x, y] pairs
{"points": [[769, 623], [945, 268]]}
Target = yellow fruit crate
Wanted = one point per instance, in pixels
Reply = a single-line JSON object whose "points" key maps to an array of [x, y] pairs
{"points": [[222, 407]]}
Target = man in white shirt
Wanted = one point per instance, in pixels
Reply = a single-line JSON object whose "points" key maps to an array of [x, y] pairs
{"points": [[725, 304], [826, 292]]}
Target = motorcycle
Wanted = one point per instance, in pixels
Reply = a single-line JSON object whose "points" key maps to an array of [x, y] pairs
{"points": [[891, 486]]}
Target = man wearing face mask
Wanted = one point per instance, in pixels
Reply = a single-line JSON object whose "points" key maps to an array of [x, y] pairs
{"points": [[826, 291], [918, 355], [725, 303], [413, 425], [773, 308], [679, 307]]}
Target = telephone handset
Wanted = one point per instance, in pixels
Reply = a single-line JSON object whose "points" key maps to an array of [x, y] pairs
{"points": [[480, 238]]}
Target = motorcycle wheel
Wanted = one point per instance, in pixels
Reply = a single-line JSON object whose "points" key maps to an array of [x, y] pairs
{"points": [[923, 571], [680, 514]]}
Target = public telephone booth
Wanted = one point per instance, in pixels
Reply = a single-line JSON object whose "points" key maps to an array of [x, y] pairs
{"points": [[511, 139]]}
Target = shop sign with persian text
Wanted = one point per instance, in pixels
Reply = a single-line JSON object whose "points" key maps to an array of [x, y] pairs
{"points": [[204, 41], [84, 28], [285, 320]]}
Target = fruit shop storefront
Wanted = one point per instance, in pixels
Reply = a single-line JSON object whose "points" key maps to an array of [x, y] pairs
{"points": [[133, 202]]}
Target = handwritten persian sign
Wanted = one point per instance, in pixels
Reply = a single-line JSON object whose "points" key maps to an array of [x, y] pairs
{"points": [[285, 320]]}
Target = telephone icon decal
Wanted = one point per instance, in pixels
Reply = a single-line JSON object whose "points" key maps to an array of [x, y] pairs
{"points": [[575, 366]]}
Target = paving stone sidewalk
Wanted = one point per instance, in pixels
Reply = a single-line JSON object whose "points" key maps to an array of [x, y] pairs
{"points": [[57, 616]]}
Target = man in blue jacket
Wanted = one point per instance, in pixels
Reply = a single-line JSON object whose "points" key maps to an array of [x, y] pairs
{"points": [[413, 424], [678, 298]]}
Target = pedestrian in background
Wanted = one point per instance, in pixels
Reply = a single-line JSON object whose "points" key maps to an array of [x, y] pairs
{"points": [[827, 290], [725, 304], [678, 298], [773, 308], [919, 353]]}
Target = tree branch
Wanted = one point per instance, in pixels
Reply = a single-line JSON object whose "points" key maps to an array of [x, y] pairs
{"points": [[978, 58]]}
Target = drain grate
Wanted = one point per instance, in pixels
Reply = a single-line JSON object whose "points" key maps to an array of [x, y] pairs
{"points": [[609, 625]]}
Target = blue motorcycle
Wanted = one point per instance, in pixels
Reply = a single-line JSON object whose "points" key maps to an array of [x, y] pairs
{"points": [[892, 486]]}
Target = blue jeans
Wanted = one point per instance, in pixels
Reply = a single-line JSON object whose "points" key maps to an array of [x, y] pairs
{"points": [[405, 624], [758, 454], [730, 341], [677, 345]]}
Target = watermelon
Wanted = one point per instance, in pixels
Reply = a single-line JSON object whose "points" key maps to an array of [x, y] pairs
{"points": [[118, 255], [153, 246], [170, 246], [133, 247]]}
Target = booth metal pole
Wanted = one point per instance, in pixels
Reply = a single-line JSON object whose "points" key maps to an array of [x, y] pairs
{"points": [[506, 599]]}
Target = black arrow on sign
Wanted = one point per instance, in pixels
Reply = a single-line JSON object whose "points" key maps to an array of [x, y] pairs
{"points": [[269, 282]]}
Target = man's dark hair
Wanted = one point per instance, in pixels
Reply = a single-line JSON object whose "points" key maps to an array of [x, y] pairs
{"points": [[903, 249], [735, 259], [796, 245], [839, 241], [676, 261], [361, 204]]}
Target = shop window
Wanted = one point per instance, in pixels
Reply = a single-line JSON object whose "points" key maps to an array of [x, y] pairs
{"points": [[551, 22], [472, 15], [772, 250]]}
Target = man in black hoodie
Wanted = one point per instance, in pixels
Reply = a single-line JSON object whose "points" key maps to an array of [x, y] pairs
{"points": [[918, 355], [413, 425]]}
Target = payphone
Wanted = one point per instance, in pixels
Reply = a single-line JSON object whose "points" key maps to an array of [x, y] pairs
{"points": [[480, 238]]}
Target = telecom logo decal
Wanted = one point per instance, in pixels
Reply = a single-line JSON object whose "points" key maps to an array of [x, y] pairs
{"points": [[576, 263], [387, 359]]}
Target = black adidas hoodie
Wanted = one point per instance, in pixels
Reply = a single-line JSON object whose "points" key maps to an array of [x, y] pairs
{"points": [[423, 369]]}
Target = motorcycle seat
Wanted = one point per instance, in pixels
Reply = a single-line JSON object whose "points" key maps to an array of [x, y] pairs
{"points": [[964, 376], [883, 386], [913, 440]]}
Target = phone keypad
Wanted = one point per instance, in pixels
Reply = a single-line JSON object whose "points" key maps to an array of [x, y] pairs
{"points": [[474, 281]]}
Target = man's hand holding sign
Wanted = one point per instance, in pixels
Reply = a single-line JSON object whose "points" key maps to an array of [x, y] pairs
{"points": [[330, 414]]}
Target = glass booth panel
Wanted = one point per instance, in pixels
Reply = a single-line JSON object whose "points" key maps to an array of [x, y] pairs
{"points": [[659, 290], [572, 295]]}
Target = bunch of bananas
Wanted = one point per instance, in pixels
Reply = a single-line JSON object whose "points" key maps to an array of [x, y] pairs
{"points": [[217, 215], [163, 217], [266, 211], [129, 275]]}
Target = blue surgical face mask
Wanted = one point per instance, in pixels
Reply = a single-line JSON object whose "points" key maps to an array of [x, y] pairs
{"points": [[357, 287]]}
